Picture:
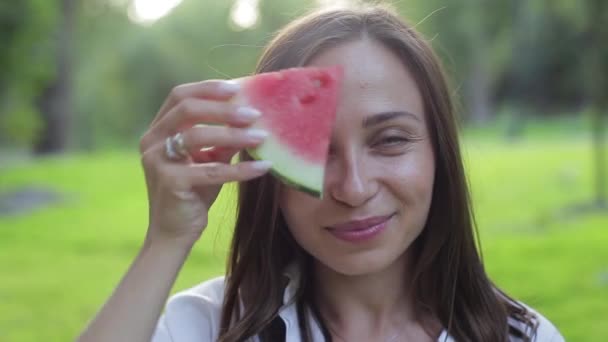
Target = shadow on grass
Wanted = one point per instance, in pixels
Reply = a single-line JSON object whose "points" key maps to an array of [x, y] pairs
{"points": [[27, 199]]}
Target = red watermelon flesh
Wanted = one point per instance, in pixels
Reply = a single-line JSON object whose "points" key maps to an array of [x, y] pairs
{"points": [[298, 108]]}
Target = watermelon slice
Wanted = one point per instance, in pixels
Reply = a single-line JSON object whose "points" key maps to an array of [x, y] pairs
{"points": [[298, 108]]}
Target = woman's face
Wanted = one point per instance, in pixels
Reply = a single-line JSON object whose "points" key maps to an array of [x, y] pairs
{"points": [[380, 171]]}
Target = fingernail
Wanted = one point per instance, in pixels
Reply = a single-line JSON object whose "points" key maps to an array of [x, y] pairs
{"points": [[256, 133], [248, 113], [229, 87], [261, 165]]}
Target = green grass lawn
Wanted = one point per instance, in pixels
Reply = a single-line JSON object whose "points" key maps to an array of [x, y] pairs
{"points": [[58, 264]]}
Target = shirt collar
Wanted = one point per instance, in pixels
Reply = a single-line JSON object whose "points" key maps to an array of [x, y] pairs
{"points": [[293, 275]]}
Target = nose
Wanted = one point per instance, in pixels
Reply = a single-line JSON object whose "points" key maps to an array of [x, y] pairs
{"points": [[349, 181]]}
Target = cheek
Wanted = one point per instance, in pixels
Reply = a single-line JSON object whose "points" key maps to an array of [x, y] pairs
{"points": [[298, 209], [411, 178]]}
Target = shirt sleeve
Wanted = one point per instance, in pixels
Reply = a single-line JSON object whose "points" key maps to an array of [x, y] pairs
{"points": [[557, 337], [549, 334], [546, 331], [192, 316], [161, 334]]}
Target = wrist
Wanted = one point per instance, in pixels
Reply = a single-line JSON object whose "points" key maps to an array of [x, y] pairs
{"points": [[160, 240], [168, 246]]}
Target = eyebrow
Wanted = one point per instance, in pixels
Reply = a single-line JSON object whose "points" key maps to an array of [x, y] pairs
{"points": [[379, 118]]}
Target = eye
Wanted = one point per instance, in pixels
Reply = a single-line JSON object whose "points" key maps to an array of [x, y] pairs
{"points": [[392, 140]]}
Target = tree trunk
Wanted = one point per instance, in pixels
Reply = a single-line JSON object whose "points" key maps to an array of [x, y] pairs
{"points": [[55, 103], [597, 67], [599, 152], [479, 82], [478, 96]]}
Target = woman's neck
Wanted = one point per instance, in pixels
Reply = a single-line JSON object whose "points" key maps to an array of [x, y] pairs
{"points": [[372, 305]]}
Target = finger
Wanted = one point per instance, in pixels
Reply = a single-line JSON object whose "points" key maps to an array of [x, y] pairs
{"points": [[192, 111], [236, 139], [198, 175], [186, 176], [202, 137], [214, 154], [209, 89]]}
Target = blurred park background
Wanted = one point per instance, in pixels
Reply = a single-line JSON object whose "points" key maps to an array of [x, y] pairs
{"points": [[81, 80]]}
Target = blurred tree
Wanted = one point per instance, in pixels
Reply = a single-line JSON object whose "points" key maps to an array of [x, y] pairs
{"points": [[125, 70], [516, 54], [596, 76], [524, 73], [26, 67], [589, 58], [469, 36], [55, 101]]}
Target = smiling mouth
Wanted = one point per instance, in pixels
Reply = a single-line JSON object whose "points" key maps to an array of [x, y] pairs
{"points": [[359, 231], [360, 224]]}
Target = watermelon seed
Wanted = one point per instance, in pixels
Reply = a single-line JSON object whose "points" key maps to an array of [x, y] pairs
{"points": [[320, 82], [307, 99]]}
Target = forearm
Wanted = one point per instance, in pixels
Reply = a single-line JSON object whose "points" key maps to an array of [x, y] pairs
{"points": [[131, 313]]}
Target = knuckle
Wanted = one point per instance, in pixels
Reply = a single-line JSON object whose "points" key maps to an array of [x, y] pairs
{"points": [[238, 134], [191, 109], [165, 174], [187, 108], [190, 138], [178, 93], [238, 173], [215, 172], [146, 142], [195, 135], [231, 111], [143, 144], [213, 86], [245, 171], [147, 160]]}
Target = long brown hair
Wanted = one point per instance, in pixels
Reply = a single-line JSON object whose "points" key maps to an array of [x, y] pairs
{"points": [[449, 279]]}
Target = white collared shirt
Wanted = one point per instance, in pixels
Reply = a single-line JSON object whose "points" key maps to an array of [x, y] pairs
{"points": [[194, 315]]}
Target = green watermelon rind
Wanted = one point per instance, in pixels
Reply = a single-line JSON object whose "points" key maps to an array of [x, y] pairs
{"points": [[288, 181], [276, 172]]}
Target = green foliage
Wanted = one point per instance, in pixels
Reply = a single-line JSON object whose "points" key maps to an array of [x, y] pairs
{"points": [[533, 51], [26, 66], [126, 70], [20, 123]]}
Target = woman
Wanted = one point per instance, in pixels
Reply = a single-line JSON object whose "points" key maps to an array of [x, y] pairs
{"points": [[388, 254]]}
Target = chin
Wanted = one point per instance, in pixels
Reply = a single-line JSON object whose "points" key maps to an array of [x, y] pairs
{"points": [[359, 264]]}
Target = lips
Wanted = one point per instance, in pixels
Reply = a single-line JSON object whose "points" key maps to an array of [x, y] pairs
{"points": [[360, 224], [358, 231]]}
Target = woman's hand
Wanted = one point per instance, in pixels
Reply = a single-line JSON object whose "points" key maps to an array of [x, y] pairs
{"points": [[180, 192]]}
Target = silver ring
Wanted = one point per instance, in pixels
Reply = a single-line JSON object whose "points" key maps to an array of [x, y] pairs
{"points": [[174, 147]]}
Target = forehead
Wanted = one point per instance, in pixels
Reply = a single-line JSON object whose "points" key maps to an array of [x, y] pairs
{"points": [[375, 79]]}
